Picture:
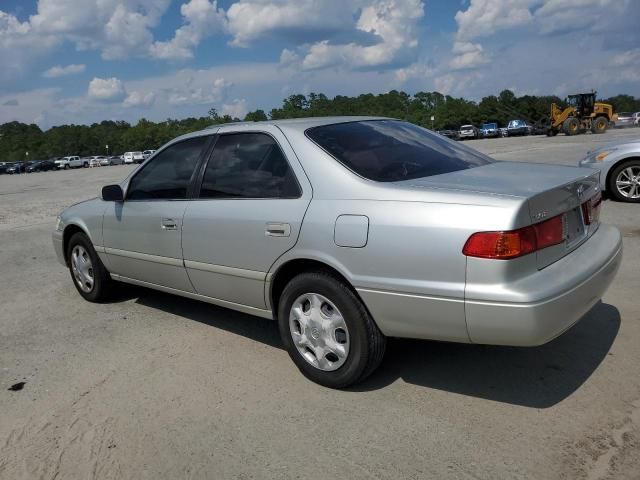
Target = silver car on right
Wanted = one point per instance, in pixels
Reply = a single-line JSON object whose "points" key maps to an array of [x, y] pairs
{"points": [[619, 165]]}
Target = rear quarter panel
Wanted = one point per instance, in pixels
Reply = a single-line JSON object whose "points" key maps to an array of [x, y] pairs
{"points": [[411, 272]]}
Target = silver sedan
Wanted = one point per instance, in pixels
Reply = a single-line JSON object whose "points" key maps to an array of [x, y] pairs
{"points": [[619, 165], [347, 231]]}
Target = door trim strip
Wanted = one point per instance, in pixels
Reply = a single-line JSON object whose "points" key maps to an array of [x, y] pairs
{"points": [[223, 270], [175, 262], [215, 301]]}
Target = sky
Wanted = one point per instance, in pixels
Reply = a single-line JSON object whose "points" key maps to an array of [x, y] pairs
{"points": [[83, 61]]}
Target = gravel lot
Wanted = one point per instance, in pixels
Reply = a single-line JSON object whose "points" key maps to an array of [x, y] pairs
{"points": [[154, 386]]}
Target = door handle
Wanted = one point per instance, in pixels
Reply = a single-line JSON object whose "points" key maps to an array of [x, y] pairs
{"points": [[278, 230], [169, 224]]}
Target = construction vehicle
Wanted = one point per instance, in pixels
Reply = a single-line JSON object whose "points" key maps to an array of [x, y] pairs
{"points": [[582, 113]]}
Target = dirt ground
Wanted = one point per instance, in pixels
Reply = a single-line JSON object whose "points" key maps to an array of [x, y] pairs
{"points": [[153, 386]]}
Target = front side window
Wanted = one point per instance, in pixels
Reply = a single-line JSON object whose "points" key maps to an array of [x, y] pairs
{"points": [[168, 175], [248, 165], [392, 150]]}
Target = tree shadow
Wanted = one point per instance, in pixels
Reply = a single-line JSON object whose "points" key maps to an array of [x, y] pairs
{"points": [[537, 377]]}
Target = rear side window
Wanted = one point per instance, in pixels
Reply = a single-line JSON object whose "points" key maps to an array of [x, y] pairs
{"points": [[392, 150], [248, 165], [168, 174]]}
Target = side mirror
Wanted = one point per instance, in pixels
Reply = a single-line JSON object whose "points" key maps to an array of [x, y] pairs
{"points": [[112, 193]]}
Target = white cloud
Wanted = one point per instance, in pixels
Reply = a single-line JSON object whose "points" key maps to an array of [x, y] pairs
{"points": [[393, 22], [203, 19], [106, 89], [60, 71], [593, 15], [627, 58], [139, 99], [467, 55], [288, 58], [119, 28], [192, 93], [19, 47], [486, 17], [236, 108], [250, 20]]}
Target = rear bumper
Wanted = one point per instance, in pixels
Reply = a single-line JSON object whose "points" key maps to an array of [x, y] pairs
{"points": [[556, 297]]}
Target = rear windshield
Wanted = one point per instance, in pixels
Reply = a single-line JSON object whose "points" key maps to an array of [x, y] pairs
{"points": [[392, 150]]}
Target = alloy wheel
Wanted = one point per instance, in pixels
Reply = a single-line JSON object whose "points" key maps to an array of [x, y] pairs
{"points": [[628, 182]]}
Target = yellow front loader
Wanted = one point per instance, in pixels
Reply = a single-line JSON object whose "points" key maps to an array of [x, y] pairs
{"points": [[582, 113]]}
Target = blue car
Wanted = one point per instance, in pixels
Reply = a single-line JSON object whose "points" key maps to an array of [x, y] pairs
{"points": [[517, 127], [490, 130]]}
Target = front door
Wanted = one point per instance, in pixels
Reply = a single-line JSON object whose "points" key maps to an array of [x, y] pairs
{"points": [[142, 234], [248, 213]]}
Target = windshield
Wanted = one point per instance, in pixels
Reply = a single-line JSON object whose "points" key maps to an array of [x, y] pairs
{"points": [[392, 150]]}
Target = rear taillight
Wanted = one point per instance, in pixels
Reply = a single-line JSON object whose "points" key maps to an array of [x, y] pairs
{"points": [[591, 209], [516, 243]]}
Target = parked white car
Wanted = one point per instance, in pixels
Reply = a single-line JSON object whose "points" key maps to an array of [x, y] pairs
{"points": [[468, 131], [64, 163], [133, 157], [147, 153], [96, 161]]}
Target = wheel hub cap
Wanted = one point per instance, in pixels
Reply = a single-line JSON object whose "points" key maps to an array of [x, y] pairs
{"points": [[319, 331], [82, 268]]}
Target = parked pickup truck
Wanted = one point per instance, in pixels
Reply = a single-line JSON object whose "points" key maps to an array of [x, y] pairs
{"points": [[64, 162]]}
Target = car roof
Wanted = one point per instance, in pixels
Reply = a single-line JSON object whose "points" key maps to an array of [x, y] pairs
{"points": [[300, 124]]}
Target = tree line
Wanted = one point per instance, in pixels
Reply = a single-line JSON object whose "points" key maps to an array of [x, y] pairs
{"points": [[447, 112]]}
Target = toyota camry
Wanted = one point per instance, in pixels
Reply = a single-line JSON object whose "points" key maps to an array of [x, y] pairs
{"points": [[347, 231]]}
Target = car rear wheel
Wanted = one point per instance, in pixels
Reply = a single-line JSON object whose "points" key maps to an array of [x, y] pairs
{"points": [[88, 273], [327, 331], [624, 181]]}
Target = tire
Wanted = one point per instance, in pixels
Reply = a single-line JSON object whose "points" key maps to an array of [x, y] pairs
{"points": [[102, 284], [622, 172], [363, 346], [599, 125], [66, 167], [571, 126], [85, 165]]}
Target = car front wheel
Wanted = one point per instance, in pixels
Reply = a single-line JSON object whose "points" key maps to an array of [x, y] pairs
{"points": [[327, 331], [89, 275], [624, 181]]}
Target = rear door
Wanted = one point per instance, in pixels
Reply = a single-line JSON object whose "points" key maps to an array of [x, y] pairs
{"points": [[142, 234], [248, 212]]}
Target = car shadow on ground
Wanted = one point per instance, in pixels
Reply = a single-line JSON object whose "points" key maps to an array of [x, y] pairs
{"points": [[537, 377]]}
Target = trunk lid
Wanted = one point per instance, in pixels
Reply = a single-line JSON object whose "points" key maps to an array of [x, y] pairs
{"points": [[549, 190]]}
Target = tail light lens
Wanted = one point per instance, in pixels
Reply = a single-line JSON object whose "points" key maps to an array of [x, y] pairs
{"points": [[516, 243], [591, 209]]}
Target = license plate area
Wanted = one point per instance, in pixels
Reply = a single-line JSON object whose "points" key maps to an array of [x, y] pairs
{"points": [[575, 227]]}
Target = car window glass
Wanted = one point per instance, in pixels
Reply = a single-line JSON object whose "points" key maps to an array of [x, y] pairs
{"points": [[248, 165], [168, 175], [392, 150]]}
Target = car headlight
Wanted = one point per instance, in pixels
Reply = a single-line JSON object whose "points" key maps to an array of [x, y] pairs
{"points": [[59, 223]]}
